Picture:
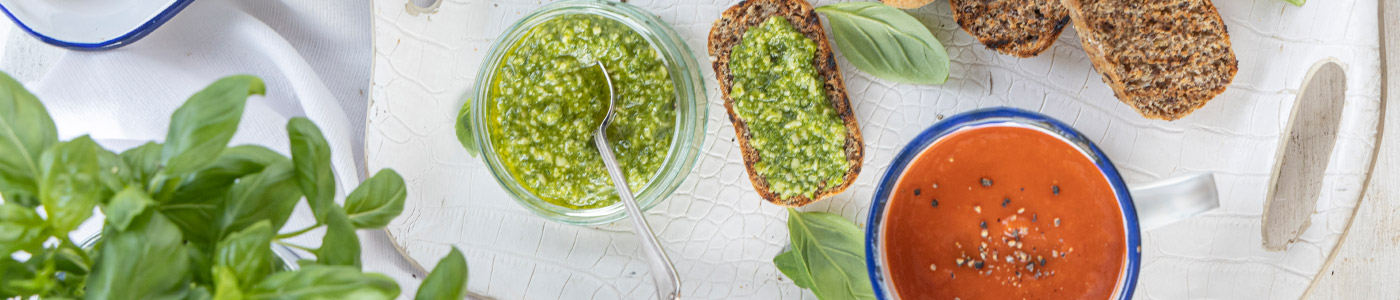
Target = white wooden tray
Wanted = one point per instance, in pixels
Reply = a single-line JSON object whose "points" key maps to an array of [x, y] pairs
{"points": [[722, 237]]}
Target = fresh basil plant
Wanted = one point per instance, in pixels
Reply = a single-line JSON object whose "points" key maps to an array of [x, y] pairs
{"points": [[190, 218]]}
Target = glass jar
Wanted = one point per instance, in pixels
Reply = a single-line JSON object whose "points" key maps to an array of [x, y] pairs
{"points": [[689, 132]]}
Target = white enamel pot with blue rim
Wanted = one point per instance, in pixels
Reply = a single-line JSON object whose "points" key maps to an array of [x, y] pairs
{"points": [[91, 25], [1143, 207]]}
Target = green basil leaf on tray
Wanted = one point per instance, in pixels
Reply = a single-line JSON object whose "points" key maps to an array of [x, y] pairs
{"points": [[70, 188], [325, 282], [144, 161], [233, 163], [448, 279], [125, 206], [340, 246], [792, 266], [887, 42], [464, 130], [226, 284], [376, 201], [247, 254], [25, 132], [143, 262], [311, 156], [267, 195], [832, 251], [202, 127], [21, 228]]}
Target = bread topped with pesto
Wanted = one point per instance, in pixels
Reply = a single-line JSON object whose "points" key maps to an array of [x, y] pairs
{"points": [[786, 100]]}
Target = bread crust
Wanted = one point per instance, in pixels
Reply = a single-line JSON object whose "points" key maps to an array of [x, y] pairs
{"points": [[729, 30], [907, 4], [1022, 28], [1164, 58]]}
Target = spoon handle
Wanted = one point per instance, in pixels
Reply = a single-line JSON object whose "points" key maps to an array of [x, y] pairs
{"points": [[668, 283]]}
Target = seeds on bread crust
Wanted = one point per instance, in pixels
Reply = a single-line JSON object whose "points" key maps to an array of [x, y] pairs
{"points": [[1164, 58], [1022, 28]]}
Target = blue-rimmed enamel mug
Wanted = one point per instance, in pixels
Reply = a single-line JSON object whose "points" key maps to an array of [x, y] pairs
{"points": [[1142, 207]]}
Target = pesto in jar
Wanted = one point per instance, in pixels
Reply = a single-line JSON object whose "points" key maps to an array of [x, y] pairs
{"points": [[799, 137], [548, 97]]}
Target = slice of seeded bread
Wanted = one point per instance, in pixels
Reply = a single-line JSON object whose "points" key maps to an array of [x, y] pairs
{"points": [[1023, 28], [729, 30], [1165, 58]]}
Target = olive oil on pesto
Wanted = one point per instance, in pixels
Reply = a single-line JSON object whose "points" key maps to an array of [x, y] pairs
{"points": [[799, 136], [548, 97]]}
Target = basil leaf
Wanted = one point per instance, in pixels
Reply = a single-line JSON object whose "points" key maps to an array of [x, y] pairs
{"points": [[70, 188], [144, 161], [340, 247], [233, 163], [114, 173], [21, 228], [226, 285], [376, 201], [464, 130], [312, 158], [887, 42], [70, 259], [199, 293], [144, 262], [10, 272], [268, 195], [448, 279], [792, 266], [324, 282], [125, 206], [202, 127], [247, 254], [193, 218], [25, 132], [833, 252], [201, 258], [40, 283]]}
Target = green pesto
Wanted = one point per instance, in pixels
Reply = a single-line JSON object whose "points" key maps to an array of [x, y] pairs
{"points": [[548, 98], [799, 136]]}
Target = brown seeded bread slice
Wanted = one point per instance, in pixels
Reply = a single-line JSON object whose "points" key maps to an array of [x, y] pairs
{"points": [[1164, 58], [729, 30], [1023, 28]]}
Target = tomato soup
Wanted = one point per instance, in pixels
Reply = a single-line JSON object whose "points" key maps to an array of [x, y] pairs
{"points": [[1003, 212]]}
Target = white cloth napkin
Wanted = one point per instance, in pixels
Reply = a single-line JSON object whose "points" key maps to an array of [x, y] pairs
{"points": [[313, 55]]}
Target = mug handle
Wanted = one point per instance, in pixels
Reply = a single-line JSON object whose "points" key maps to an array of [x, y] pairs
{"points": [[1174, 199]]}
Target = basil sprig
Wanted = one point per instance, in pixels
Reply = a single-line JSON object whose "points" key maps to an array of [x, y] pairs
{"points": [[190, 218], [887, 42]]}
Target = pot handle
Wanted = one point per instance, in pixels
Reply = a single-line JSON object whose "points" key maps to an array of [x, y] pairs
{"points": [[1174, 199]]}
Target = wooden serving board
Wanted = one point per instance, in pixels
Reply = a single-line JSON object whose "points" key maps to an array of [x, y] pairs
{"points": [[722, 237]]}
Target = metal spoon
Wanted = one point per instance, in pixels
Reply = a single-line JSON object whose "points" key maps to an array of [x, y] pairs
{"points": [[668, 283]]}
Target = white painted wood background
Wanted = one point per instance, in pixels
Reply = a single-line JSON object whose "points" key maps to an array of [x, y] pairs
{"points": [[1367, 264], [722, 237]]}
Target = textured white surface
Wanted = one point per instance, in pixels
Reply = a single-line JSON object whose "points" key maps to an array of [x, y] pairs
{"points": [[722, 237]]}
